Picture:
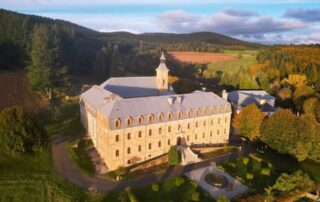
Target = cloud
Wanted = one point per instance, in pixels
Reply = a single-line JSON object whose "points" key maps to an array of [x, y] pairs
{"points": [[242, 13], [307, 15], [120, 30], [284, 38], [223, 22]]}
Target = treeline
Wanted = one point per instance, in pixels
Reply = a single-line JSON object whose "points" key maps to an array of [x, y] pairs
{"points": [[293, 59]]}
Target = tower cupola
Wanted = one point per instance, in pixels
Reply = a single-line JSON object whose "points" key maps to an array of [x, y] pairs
{"points": [[162, 74]]}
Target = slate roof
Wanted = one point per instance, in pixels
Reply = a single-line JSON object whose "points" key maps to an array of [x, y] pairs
{"points": [[244, 98], [132, 86], [113, 107]]}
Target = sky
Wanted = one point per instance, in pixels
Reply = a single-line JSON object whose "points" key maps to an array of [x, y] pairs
{"points": [[264, 21]]}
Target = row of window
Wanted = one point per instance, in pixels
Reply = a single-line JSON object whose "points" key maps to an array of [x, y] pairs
{"points": [[139, 148], [161, 116], [169, 130]]}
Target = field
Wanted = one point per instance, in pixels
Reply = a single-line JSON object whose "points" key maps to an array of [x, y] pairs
{"points": [[245, 59], [201, 57], [14, 91]]}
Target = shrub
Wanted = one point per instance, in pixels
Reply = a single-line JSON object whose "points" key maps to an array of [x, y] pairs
{"points": [[245, 160], [195, 196], [173, 156], [249, 176], [20, 132], [179, 181], [265, 171], [155, 187], [194, 184]]}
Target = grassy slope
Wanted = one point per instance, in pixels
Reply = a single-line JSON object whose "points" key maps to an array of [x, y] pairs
{"points": [[248, 59]]}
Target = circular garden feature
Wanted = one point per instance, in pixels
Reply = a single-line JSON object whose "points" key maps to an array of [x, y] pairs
{"points": [[216, 180]]}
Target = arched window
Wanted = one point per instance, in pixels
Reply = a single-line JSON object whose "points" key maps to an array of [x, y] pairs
{"points": [[224, 131], [225, 119], [170, 116], [197, 124], [150, 146], [160, 130], [140, 133], [128, 136], [129, 161], [163, 82], [179, 127], [117, 138], [203, 135], [180, 115], [188, 138], [198, 112], [139, 148], [218, 131], [169, 129], [150, 132], [204, 123], [117, 153], [128, 150], [211, 121], [205, 111], [189, 113], [196, 136], [188, 125], [159, 144], [218, 120], [168, 142]]}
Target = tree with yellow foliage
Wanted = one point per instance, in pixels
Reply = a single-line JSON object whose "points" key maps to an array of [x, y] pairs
{"points": [[295, 80], [248, 121]]}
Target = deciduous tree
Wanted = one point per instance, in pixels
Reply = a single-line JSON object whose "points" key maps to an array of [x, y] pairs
{"points": [[249, 121]]}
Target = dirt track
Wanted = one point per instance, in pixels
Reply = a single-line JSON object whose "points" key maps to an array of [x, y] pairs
{"points": [[200, 57], [14, 91]]}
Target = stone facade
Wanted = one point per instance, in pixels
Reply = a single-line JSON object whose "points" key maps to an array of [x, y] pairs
{"points": [[123, 139]]}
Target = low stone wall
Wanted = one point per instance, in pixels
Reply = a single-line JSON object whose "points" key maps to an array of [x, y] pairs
{"points": [[207, 149], [151, 163]]}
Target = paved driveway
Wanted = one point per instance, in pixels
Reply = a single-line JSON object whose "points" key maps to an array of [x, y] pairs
{"points": [[69, 171]]}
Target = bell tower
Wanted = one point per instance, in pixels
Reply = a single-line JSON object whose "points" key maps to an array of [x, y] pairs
{"points": [[162, 74]]}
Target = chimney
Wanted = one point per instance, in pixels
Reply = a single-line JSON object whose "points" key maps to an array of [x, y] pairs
{"points": [[225, 94]]}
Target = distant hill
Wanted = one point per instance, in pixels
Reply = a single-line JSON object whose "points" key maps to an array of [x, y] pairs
{"points": [[86, 51], [196, 37]]}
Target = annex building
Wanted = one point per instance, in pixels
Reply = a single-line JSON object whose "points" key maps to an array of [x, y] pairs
{"points": [[133, 119]]}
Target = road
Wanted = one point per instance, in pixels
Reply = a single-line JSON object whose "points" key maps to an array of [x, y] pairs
{"points": [[67, 168]]}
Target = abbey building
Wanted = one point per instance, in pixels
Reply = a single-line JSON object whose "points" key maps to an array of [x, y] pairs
{"points": [[133, 119]]}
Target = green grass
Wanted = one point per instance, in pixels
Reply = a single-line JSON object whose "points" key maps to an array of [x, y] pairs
{"points": [[67, 121], [251, 173], [286, 163], [248, 59], [169, 191], [80, 157], [33, 178]]}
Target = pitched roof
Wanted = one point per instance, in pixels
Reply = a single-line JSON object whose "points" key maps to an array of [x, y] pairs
{"points": [[248, 96], [127, 87]]}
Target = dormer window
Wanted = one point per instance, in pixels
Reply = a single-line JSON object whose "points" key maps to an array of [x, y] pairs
{"points": [[117, 123], [129, 121], [150, 118], [170, 116], [160, 117], [140, 120], [206, 111], [180, 115], [198, 112], [189, 113]]}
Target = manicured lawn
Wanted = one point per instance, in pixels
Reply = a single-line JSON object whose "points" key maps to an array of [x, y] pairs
{"points": [[171, 191], [253, 172], [33, 178], [246, 60], [286, 163]]}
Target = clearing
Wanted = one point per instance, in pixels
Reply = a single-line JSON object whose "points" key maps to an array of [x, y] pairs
{"points": [[201, 57], [14, 89]]}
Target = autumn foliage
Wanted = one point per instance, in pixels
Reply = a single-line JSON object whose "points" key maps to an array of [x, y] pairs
{"points": [[248, 121]]}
